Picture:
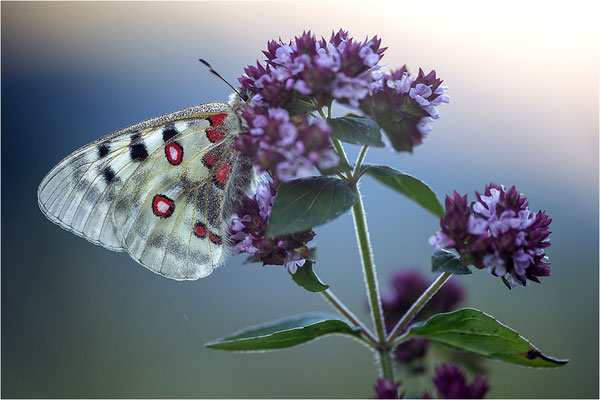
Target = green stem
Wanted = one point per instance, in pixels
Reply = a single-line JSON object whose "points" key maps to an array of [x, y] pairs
{"points": [[339, 149], [362, 234], [364, 243], [337, 145], [342, 309], [417, 306], [359, 161], [387, 366]]}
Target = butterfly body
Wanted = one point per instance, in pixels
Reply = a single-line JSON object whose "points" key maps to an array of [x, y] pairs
{"points": [[164, 190]]}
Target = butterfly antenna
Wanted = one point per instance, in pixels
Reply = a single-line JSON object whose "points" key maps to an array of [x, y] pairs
{"points": [[211, 69]]}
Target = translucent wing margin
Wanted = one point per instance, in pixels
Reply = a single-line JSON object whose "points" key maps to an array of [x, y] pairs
{"points": [[163, 190]]}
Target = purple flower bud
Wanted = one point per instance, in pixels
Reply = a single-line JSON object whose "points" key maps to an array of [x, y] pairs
{"points": [[450, 383], [406, 287], [248, 233], [385, 389], [410, 350], [498, 232]]}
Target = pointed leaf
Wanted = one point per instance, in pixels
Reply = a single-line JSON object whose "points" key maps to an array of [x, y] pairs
{"points": [[477, 332], [506, 283], [408, 185], [362, 131], [306, 278], [304, 203], [446, 261], [283, 333]]}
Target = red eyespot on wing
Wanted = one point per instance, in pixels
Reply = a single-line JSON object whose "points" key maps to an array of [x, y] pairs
{"points": [[211, 158], [214, 238], [222, 173], [217, 119], [214, 135], [200, 230], [174, 153], [162, 206]]}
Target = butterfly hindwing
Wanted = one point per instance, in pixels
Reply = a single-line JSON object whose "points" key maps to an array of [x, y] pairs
{"points": [[163, 190]]}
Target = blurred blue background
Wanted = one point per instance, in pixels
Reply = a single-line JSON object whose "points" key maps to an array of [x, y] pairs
{"points": [[81, 321]]}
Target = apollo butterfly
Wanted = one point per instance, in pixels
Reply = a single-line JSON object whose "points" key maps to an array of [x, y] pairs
{"points": [[164, 190]]}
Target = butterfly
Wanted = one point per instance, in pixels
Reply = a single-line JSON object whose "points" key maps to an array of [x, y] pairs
{"points": [[163, 190]]}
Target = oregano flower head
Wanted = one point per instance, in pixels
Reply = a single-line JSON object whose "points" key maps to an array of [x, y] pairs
{"points": [[340, 68], [498, 232], [284, 145], [404, 106]]}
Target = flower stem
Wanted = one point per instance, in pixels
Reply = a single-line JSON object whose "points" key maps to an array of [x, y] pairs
{"points": [[364, 243], [387, 366], [417, 306], [359, 161], [368, 266], [342, 309], [339, 149]]}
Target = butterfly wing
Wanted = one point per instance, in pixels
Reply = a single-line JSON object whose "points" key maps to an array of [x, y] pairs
{"points": [[163, 190]]}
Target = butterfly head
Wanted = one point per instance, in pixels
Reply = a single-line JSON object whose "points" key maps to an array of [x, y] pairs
{"points": [[238, 100]]}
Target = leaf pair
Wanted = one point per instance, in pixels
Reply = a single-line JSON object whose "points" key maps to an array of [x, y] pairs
{"points": [[467, 329]]}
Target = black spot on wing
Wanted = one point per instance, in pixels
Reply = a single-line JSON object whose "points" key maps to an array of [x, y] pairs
{"points": [[168, 132], [137, 149], [108, 174], [103, 149], [138, 152]]}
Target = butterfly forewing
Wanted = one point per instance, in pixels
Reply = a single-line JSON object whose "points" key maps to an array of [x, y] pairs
{"points": [[163, 190]]}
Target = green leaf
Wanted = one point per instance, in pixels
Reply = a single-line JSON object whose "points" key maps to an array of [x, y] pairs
{"points": [[306, 278], [398, 121], [284, 333], [362, 131], [408, 185], [304, 203], [475, 331], [446, 261], [506, 283]]}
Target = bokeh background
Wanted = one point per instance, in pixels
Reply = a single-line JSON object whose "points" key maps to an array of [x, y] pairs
{"points": [[81, 321]]}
